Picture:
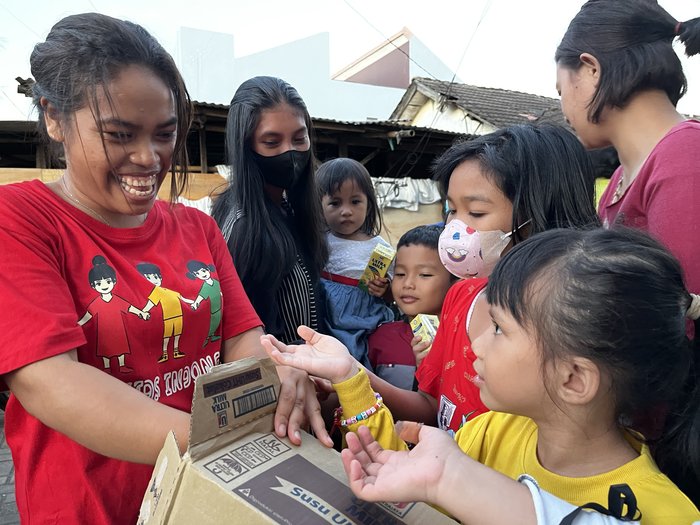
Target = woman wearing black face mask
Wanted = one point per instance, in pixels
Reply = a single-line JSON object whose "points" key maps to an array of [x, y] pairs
{"points": [[270, 214]]}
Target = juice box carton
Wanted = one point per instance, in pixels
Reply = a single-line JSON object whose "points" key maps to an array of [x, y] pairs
{"points": [[425, 326], [378, 265]]}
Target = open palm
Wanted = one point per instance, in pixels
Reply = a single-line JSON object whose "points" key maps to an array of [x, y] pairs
{"points": [[376, 474], [322, 355]]}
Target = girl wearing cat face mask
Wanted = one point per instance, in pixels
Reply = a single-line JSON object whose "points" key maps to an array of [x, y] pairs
{"points": [[500, 188], [270, 214]]}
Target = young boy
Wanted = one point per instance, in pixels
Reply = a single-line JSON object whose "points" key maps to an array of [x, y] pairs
{"points": [[419, 287]]}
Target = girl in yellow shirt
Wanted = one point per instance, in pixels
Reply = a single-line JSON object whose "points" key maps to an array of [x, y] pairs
{"points": [[588, 333]]}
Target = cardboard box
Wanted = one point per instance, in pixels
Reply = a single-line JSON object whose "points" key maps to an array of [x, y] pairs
{"points": [[378, 264], [236, 470], [425, 326]]}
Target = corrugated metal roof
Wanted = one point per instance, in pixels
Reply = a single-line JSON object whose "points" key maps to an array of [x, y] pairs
{"points": [[392, 124]]}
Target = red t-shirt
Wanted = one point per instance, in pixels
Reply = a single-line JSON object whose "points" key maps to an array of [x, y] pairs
{"points": [[446, 371], [55, 300], [391, 355], [664, 198]]}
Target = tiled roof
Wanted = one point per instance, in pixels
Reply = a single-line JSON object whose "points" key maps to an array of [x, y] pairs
{"points": [[498, 107]]}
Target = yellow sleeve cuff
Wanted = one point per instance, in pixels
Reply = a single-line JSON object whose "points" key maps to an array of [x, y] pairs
{"points": [[356, 395]]}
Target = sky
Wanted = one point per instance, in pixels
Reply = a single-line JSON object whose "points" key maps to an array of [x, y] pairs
{"points": [[506, 44]]}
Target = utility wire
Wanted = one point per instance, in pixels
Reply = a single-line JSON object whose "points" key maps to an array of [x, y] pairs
{"points": [[19, 20], [437, 114], [413, 156], [9, 99], [387, 39], [487, 6]]}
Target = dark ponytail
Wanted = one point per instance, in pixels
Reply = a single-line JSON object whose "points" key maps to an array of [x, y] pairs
{"points": [[633, 42], [678, 451], [689, 33]]}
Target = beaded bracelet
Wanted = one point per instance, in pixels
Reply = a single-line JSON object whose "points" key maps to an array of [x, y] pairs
{"points": [[365, 414]]}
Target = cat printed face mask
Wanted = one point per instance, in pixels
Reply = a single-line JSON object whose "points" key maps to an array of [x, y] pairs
{"points": [[466, 252]]}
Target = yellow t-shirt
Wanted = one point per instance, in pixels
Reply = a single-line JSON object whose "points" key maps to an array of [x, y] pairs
{"points": [[508, 444], [169, 301]]}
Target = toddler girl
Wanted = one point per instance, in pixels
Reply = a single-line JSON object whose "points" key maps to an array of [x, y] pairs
{"points": [[354, 221], [571, 358]]}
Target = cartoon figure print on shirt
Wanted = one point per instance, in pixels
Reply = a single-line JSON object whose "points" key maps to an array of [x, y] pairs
{"points": [[111, 339], [211, 290], [169, 301]]}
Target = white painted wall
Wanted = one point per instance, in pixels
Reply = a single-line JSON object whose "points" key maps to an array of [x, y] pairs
{"points": [[206, 61], [303, 63], [451, 118]]}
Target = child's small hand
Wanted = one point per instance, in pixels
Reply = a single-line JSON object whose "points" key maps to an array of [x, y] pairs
{"points": [[376, 474], [322, 355], [378, 286], [420, 348]]}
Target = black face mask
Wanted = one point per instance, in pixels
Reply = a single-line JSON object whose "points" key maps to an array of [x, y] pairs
{"points": [[284, 170]]}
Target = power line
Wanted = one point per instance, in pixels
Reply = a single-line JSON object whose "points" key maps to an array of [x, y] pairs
{"points": [[487, 6], [387, 39], [19, 20], [9, 99]]}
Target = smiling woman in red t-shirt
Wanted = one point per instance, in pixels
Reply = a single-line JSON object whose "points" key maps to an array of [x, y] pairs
{"points": [[83, 349]]}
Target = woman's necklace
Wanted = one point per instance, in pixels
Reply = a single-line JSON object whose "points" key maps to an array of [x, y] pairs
{"points": [[618, 191], [64, 189]]}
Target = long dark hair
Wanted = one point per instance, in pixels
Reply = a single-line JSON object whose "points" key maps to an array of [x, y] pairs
{"points": [[616, 297], [333, 173], [543, 170], [632, 40], [87, 51], [261, 243]]}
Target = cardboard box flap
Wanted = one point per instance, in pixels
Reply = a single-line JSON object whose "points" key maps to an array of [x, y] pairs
{"points": [[164, 484], [237, 470], [227, 399]]}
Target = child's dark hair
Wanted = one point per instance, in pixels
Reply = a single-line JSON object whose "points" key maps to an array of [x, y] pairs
{"points": [[632, 40], [426, 235], [194, 266], [331, 175], [145, 268], [85, 52], [543, 170], [616, 297], [101, 270]]}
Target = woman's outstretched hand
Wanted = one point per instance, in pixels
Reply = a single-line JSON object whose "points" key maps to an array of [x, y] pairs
{"points": [[321, 355]]}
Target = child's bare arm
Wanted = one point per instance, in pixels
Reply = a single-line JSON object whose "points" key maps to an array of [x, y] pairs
{"points": [[406, 405]]}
